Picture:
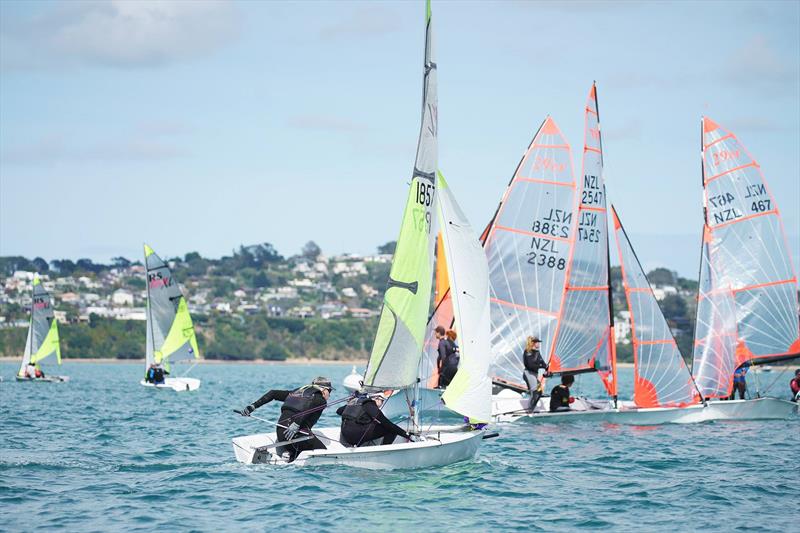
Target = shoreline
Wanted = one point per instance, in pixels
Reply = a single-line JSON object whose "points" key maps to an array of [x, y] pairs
{"points": [[109, 360]]}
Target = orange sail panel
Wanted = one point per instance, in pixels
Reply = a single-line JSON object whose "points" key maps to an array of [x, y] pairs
{"points": [[661, 378], [528, 246], [747, 302], [442, 283], [583, 338]]}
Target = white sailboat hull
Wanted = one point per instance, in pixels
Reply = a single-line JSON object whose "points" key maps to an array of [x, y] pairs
{"points": [[47, 379], [441, 447], [511, 410], [176, 384]]}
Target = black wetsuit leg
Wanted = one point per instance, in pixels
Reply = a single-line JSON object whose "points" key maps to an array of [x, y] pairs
{"points": [[533, 388]]}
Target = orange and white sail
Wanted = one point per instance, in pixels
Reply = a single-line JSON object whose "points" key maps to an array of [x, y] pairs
{"points": [[661, 378], [442, 316], [747, 301], [584, 333], [528, 245]]}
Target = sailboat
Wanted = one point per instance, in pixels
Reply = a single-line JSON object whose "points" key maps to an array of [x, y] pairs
{"points": [[747, 301], [43, 340], [397, 350], [170, 332]]}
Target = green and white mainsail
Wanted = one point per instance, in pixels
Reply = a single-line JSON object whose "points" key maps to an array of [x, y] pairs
{"points": [[470, 392], [398, 344], [170, 332], [43, 340]]}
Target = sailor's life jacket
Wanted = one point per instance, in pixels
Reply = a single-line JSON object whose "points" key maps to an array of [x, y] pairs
{"points": [[302, 400], [355, 411]]}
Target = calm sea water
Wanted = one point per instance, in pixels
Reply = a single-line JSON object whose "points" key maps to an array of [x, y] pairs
{"points": [[102, 453]]}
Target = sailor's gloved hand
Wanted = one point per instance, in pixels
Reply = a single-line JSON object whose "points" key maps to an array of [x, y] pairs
{"points": [[247, 410], [291, 431]]}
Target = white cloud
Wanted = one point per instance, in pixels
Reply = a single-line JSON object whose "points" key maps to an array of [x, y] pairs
{"points": [[118, 33]]}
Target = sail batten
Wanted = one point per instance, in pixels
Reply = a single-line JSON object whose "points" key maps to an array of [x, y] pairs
{"points": [[747, 301]]}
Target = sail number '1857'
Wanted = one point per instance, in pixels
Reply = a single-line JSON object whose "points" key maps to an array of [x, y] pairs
{"points": [[424, 194]]}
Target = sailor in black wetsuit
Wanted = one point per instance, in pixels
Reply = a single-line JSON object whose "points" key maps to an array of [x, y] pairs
{"points": [[449, 357], [559, 396], [363, 422], [300, 411], [533, 361], [155, 375]]}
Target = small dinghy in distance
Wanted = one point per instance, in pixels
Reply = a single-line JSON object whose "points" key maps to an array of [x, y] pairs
{"points": [[747, 303], [43, 339], [170, 332], [397, 350]]}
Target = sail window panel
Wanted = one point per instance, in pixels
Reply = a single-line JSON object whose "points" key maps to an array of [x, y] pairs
{"points": [[736, 197], [648, 322], [548, 160], [540, 208], [715, 336], [509, 328], [725, 156], [590, 257], [442, 316], [661, 379], [526, 276], [767, 318], [750, 253], [634, 277], [584, 326]]}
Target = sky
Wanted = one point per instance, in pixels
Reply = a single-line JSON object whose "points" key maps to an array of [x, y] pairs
{"points": [[203, 125]]}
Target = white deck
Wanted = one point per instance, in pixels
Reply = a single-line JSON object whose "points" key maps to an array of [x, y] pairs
{"points": [[176, 384], [506, 408], [442, 446]]}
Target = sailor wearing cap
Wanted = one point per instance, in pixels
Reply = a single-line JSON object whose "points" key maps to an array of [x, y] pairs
{"points": [[300, 411], [533, 361]]}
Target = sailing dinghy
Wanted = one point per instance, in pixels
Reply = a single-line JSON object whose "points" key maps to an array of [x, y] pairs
{"points": [[170, 332], [43, 340], [747, 301], [397, 350]]}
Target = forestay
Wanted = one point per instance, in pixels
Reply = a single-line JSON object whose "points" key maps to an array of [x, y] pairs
{"points": [[584, 338], [528, 247], [42, 340], [170, 332], [470, 391], [661, 378], [399, 340], [747, 302]]}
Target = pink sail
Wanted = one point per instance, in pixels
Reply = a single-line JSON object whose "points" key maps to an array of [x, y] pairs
{"points": [[747, 301], [661, 378]]}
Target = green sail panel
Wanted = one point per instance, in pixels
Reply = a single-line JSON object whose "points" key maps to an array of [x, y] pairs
{"points": [[170, 332], [399, 340]]}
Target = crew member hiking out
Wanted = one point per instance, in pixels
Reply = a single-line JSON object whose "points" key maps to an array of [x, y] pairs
{"points": [[300, 411], [363, 422], [533, 362], [559, 396]]}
